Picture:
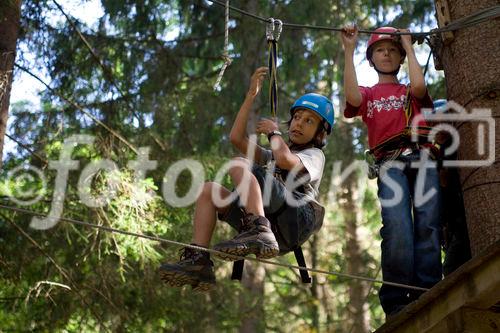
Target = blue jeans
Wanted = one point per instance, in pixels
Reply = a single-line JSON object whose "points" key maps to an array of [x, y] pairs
{"points": [[411, 231]]}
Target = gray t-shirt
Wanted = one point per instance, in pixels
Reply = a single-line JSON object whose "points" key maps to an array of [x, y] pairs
{"points": [[313, 160]]}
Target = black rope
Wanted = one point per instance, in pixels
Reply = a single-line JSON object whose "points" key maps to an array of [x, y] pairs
{"points": [[273, 77], [427, 63], [475, 170], [273, 32], [482, 184]]}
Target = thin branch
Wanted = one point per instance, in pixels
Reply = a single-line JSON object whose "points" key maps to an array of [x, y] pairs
{"points": [[74, 104], [59, 268]]}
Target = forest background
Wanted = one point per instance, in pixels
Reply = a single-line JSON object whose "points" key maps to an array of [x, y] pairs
{"points": [[147, 70]]}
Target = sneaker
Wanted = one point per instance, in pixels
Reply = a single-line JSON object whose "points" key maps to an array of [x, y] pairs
{"points": [[194, 268], [255, 237]]}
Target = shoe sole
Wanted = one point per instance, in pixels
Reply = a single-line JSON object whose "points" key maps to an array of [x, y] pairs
{"points": [[264, 251], [180, 279]]}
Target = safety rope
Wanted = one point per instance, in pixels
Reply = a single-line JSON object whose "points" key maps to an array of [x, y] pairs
{"points": [[428, 60], [225, 55], [273, 32], [107, 71], [464, 22], [199, 248]]}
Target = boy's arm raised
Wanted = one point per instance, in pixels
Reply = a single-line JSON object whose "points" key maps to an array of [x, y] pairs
{"points": [[351, 89], [417, 81], [238, 134]]}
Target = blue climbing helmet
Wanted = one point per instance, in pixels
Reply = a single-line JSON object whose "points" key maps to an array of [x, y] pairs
{"points": [[319, 104]]}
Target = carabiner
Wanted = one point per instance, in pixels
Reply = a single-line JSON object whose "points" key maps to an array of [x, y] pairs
{"points": [[273, 29]]}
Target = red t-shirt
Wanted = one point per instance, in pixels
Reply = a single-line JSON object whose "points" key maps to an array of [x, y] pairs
{"points": [[382, 110]]}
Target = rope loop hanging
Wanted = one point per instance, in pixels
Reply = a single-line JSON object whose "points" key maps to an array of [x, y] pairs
{"points": [[273, 32], [225, 55]]}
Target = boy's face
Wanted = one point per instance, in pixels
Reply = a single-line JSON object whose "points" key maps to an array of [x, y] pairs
{"points": [[386, 56], [303, 126]]}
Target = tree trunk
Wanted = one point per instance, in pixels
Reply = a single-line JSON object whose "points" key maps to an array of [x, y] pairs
{"points": [[471, 68], [356, 308], [10, 12], [252, 301]]}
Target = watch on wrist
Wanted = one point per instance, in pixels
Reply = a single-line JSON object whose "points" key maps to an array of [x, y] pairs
{"points": [[275, 132]]}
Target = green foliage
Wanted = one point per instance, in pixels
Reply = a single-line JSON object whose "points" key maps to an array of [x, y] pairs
{"points": [[157, 91]]}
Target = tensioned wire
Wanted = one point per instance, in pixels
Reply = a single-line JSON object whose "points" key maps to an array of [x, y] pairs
{"points": [[464, 22], [473, 19], [171, 242]]}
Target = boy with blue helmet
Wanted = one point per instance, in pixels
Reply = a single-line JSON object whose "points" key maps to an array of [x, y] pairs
{"points": [[411, 245], [320, 105], [274, 207]]}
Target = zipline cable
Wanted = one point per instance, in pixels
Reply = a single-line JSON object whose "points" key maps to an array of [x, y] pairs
{"points": [[464, 22], [171, 242]]}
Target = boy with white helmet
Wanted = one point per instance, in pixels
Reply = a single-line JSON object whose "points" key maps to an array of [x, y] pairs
{"points": [[411, 251]]}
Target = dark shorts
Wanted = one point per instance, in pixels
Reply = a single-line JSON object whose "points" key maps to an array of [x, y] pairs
{"points": [[292, 226]]}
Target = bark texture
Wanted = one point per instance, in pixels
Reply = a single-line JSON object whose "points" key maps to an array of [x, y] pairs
{"points": [[471, 64], [10, 11]]}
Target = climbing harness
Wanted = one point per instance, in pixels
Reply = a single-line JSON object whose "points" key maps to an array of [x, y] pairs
{"points": [[410, 139]]}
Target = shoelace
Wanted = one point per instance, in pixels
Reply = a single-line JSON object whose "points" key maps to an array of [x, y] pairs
{"points": [[188, 254], [247, 222]]}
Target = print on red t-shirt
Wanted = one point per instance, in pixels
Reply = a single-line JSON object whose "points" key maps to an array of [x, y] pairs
{"points": [[382, 110]]}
